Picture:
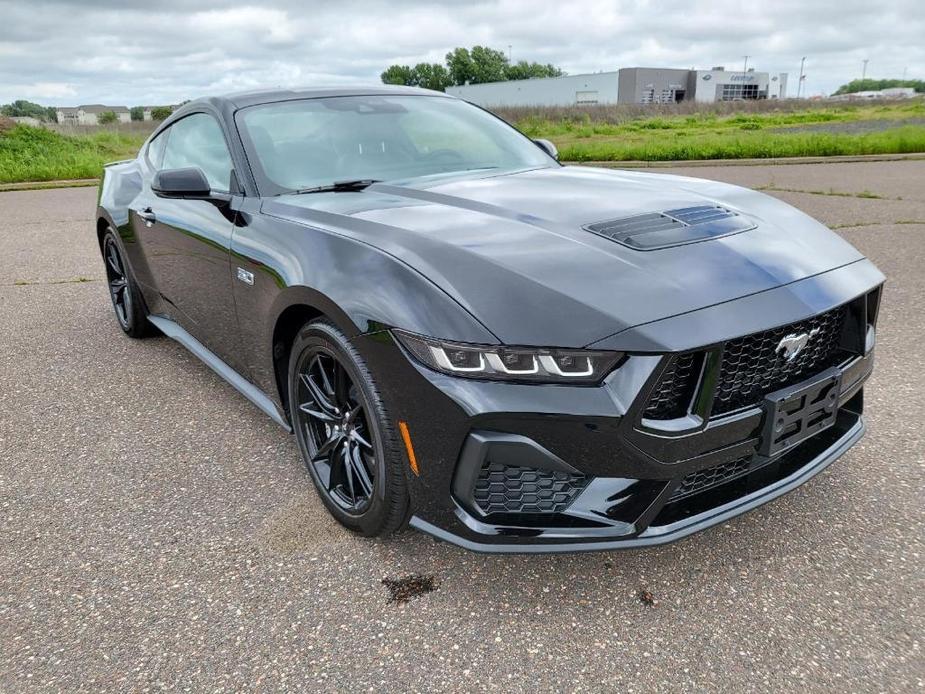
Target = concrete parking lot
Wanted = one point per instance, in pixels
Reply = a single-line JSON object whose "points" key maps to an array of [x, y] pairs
{"points": [[158, 532]]}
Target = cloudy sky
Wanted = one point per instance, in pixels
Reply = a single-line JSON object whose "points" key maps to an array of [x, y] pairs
{"points": [[122, 52]]}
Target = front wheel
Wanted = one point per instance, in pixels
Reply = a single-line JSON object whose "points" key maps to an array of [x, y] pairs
{"points": [[344, 433]]}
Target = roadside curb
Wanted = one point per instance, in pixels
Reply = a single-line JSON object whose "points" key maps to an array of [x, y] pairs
{"points": [[38, 185]]}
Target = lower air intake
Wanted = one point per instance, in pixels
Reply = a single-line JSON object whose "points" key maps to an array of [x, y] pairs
{"points": [[711, 477], [509, 489]]}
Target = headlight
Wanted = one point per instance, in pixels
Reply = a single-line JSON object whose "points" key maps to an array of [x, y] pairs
{"points": [[500, 363]]}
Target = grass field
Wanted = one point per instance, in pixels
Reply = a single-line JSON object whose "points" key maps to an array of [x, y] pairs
{"points": [[617, 134], [593, 133], [36, 154]]}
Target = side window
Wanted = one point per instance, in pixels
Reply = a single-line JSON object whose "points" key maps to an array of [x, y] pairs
{"points": [[156, 150], [197, 140]]}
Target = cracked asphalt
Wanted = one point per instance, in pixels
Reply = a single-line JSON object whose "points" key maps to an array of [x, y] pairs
{"points": [[157, 532]]}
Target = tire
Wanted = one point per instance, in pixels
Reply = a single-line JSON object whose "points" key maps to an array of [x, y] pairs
{"points": [[127, 301], [333, 397]]}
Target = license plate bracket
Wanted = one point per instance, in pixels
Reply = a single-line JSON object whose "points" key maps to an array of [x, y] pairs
{"points": [[795, 413]]}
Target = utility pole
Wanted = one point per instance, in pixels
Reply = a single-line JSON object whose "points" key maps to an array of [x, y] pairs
{"points": [[745, 66], [802, 77], [509, 53], [864, 69]]}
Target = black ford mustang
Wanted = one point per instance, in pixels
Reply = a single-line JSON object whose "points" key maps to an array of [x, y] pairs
{"points": [[511, 354]]}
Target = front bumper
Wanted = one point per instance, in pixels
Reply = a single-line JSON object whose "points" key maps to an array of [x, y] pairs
{"points": [[590, 472], [662, 534]]}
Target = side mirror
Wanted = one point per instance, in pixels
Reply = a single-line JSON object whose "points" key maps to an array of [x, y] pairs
{"points": [[188, 183], [548, 147]]}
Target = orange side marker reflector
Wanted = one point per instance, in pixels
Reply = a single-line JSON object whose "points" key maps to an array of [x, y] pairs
{"points": [[406, 437]]}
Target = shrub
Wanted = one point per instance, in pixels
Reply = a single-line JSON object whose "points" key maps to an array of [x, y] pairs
{"points": [[107, 118]]}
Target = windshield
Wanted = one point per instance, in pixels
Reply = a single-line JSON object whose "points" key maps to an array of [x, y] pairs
{"points": [[296, 145]]}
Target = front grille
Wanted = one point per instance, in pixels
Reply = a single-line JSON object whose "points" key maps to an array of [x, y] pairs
{"points": [[711, 477], [752, 367], [511, 489], [672, 396]]}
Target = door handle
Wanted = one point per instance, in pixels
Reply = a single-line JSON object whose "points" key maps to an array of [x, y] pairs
{"points": [[148, 215]]}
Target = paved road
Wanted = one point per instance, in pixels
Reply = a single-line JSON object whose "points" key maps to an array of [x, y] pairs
{"points": [[158, 532]]}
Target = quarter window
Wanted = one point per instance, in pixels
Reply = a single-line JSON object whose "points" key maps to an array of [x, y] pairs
{"points": [[197, 140], [156, 150]]}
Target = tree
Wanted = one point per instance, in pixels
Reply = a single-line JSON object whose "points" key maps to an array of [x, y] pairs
{"points": [[137, 112], [21, 107], [522, 70], [489, 65], [427, 75], [160, 112], [873, 85], [398, 74], [465, 66], [460, 65], [431, 76], [51, 113], [106, 118]]}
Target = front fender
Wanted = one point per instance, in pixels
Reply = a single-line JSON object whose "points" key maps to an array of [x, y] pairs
{"points": [[359, 287]]}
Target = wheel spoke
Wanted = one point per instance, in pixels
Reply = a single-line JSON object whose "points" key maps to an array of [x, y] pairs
{"points": [[345, 461], [113, 258], [312, 410], [318, 395], [359, 469], [324, 450], [362, 441], [325, 378]]}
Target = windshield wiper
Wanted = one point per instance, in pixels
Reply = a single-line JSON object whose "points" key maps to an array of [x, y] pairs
{"points": [[339, 186]]}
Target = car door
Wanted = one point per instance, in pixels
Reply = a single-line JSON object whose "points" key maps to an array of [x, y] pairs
{"points": [[186, 242]]}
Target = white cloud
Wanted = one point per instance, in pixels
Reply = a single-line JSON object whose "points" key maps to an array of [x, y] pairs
{"points": [[48, 90], [64, 52]]}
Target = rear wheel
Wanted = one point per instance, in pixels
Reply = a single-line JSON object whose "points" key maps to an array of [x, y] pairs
{"points": [[127, 302], [344, 433]]}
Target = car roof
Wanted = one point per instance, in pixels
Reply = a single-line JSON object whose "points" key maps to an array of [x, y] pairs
{"points": [[237, 100]]}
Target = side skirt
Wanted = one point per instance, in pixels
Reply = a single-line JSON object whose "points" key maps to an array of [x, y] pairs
{"points": [[241, 384]]}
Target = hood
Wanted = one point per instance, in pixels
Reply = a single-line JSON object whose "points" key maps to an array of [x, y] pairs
{"points": [[516, 252]]}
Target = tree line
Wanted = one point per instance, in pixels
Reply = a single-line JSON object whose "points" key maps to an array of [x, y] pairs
{"points": [[465, 66], [49, 114], [875, 85]]}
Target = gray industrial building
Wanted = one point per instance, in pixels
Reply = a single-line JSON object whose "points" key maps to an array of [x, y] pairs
{"points": [[633, 85]]}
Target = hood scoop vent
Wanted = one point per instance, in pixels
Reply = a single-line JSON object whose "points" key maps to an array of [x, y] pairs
{"points": [[649, 232]]}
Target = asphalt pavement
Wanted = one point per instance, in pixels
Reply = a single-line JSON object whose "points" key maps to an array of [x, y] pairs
{"points": [[157, 532]]}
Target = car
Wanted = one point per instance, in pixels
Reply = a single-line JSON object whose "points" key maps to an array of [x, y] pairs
{"points": [[469, 337]]}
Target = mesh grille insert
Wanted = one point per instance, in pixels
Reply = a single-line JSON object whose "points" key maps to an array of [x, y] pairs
{"points": [[510, 489], [672, 396], [752, 367], [711, 477]]}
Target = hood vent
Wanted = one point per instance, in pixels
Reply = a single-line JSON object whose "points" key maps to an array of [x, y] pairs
{"points": [[649, 232]]}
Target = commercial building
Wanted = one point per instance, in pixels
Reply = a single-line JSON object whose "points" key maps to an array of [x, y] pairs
{"points": [[634, 85], [591, 88]]}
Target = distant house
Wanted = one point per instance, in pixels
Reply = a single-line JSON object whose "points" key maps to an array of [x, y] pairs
{"points": [[89, 114]]}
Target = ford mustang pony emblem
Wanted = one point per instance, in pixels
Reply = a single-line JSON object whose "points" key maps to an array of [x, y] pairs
{"points": [[792, 345]]}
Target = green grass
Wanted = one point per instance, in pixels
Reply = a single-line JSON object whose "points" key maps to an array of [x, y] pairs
{"points": [[599, 133], [36, 154], [709, 135]]}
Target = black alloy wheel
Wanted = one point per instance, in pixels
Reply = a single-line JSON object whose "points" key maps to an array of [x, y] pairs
{"points": [[116, 276], [127, 302], [336, 431], [345, 437]]}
